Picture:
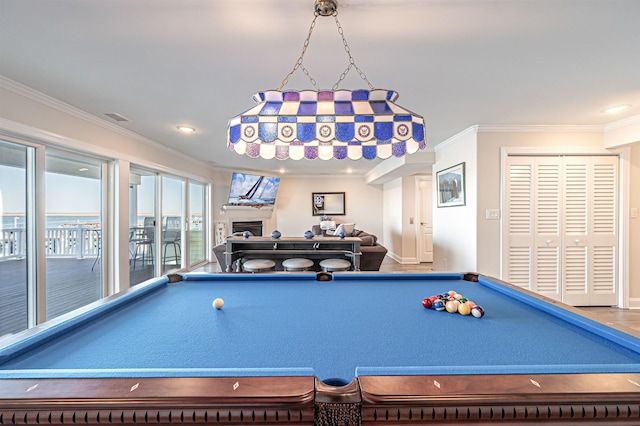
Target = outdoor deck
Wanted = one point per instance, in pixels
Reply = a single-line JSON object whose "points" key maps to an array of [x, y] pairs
{"points": [[71, 283]]}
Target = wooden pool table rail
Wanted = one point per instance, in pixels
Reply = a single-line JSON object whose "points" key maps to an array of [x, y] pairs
{"points": [[394, 400], [242, 400], [603, 398]]}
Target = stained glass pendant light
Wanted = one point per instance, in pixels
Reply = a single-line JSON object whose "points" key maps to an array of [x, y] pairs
{"points": [[326, 124]]}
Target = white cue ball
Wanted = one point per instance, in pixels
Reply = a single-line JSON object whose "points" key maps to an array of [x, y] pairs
{"points": [[218, 303]]}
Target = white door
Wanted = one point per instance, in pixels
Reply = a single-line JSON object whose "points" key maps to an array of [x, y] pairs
{"points": [[533, 255], [590, 230], [561, 227], [425, 217]]}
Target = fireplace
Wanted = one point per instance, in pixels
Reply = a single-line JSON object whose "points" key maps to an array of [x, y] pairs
{"points": [[253, 226]]}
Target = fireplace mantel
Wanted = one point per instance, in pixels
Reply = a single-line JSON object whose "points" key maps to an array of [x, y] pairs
{"points": [[246, 212]]}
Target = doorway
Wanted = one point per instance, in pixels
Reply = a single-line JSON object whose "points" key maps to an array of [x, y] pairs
{"points": [[424, 227]]}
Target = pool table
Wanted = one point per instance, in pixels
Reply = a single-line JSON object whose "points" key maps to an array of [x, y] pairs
{"points": [[304, 348]]}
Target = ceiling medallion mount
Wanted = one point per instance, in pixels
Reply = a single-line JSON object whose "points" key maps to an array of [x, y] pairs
{"points": [[326, 124], [326, 7]]}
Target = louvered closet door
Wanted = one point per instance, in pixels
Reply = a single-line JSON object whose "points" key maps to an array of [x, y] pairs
{"points": [[591, 230], [561, 222], [604, 231], [576, 230], [547, 190], [518, 214], [533, 257]]}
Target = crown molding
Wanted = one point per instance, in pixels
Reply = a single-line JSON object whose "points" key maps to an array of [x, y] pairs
{"points": [[544, 128], [629, 121], [453, 139], [57, 104]]}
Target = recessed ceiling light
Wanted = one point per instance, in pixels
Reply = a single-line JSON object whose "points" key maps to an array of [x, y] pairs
{"points": [[83, 169], [186, 129], [282, 170], [615, 109]]}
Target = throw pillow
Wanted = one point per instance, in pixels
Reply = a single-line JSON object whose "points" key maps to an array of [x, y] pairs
{"points": [[348, 228]]}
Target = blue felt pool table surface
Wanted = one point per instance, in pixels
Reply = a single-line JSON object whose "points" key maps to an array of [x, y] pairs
{"points": [[292, 324]]}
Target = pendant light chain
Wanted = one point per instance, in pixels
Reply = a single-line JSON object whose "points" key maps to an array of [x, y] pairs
{"points": [[299, 62], [352, 62]]}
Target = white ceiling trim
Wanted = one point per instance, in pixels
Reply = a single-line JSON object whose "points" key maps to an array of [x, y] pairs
{"points": [[57, 104], [546, 128], [453, 139], [629, 121]]}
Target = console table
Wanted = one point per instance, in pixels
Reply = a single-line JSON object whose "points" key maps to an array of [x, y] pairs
{"points": [[285, 247]]}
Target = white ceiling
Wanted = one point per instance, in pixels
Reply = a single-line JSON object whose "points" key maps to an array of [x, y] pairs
{"points": [[162, 63]]}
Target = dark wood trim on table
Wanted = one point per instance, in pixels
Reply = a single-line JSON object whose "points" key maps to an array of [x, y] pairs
{"points": [[486, 399], [590, 398], [244, 400], [495, 399]]}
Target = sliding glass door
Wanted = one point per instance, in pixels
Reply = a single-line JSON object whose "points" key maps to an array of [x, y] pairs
{"points": [[55, 232], [172, 223], [73, 233], [197, 222], [142, 226], [13, 238]]}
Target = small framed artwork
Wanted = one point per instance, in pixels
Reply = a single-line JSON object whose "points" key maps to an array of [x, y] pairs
{"points": [[327, 204], [451, 186]]}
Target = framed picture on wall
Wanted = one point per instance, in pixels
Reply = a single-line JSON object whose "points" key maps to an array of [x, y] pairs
{"points": [[327, 203], [451, 186]]}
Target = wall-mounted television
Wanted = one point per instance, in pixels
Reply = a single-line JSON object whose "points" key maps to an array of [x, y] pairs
{"points": [[253, 190]]}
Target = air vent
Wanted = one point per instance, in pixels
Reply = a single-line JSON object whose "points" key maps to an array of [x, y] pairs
{"points": [[116, 116]]}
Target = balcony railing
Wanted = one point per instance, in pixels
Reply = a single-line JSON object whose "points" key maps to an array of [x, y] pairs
{"points": [[78, 242]]}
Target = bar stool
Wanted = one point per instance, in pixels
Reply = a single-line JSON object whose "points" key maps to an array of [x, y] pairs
{"points": [[297, 264], [331, 265], [258, 265]]}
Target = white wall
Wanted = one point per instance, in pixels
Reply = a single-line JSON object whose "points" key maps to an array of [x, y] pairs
{"points": [[634, 228], [393, 218], [292, 214], [399, 211], [455, 228], [409, 214]]}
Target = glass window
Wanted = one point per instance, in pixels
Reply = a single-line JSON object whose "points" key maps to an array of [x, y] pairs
{"points": [[172, 220], [142, 226], [13, 238], [73, 233], [197, 241]]}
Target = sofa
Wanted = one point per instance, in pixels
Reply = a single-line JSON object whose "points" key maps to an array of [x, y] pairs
{"points": [[372, 253]]}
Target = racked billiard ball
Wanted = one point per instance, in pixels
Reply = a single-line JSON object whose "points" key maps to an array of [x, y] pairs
{"points": [[464, 309], [452, 306], [438, 305], [477, 311]]}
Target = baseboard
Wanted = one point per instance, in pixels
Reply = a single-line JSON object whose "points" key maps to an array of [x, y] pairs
{"points": [[403, 260], [634, 303]]}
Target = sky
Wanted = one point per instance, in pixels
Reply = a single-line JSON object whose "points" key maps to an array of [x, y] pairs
{"points": [[78, 195]]}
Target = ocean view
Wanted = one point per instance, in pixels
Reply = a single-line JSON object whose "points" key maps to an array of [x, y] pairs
{"points": [[12, 221], [53, 221]]}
